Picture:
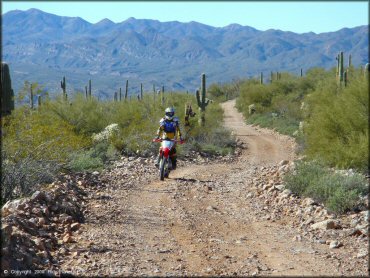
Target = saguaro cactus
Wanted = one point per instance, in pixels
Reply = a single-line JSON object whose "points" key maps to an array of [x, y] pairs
{"points": [[153, 93], [278, 75], [63, 86], [86, 92], [141, 91], [31, 96], [337, 72], [7, 93], [90, 88], [367, 70], [349, 60], [126, 92], [301, 72], [120, 94], [188, 113], [340, 68], [202, 100], [39, 100], [261, 78], [162, 95]]}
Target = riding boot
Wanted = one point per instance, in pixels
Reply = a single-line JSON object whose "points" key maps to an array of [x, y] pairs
{"points": [[174, 163], [157, 162]]}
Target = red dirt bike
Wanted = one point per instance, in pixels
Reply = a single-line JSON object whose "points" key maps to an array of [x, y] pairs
{"points": [[165, 161]]}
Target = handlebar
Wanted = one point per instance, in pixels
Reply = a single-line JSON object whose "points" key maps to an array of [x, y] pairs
{"points": [[173, 140]]}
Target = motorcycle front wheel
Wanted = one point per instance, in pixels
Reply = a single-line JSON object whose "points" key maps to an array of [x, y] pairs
{"points": [[162, 168]]}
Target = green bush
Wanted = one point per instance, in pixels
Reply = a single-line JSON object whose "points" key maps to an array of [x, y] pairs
{"points": [[335, 117], [223, 92], [287, 106], [43, 139], [337, 128], [23, 175], [213, 138], [216, 91], [251, 93], [277, 104], [26, 131], [36, 144], [342, 200], [86, 116], [84, 161], [338, 192], [282, 124], [306, 174]]}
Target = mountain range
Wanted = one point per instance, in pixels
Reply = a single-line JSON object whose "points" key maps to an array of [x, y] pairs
{"points": [[42, 47]]}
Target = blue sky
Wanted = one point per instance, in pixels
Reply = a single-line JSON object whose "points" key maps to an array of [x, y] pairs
{"points": [[299, 17]]}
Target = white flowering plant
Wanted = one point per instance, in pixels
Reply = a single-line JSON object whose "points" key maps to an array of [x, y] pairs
{"points": [[108, 133]]}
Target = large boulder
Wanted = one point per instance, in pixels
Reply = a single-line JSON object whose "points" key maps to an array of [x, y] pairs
{"points": [[326, 225], [13, 206]]}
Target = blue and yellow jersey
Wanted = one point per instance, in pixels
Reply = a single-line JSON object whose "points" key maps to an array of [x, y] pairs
{"points": [[168, 129]]}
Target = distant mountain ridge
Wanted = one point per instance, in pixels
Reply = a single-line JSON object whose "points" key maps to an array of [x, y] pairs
{"points": [[42, 47]]}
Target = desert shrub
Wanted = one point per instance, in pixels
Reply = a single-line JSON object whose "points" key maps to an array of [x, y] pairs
{"points": [[257, 94], [277, 104], [342, 200], [287, 106], [212, 138], [22, 175], [282, 124], [84, 161], [338, 192], [284, 87], [337, 128], [93, 158], [335, 118], [305, 174], [216, 91], [111, 131], [223, 92], [25, 130], [316, 77], [86, 116], [64, 135], [35, 146]]}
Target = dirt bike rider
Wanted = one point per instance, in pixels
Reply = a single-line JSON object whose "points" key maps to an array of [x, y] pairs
{"points": [[169, 127]]}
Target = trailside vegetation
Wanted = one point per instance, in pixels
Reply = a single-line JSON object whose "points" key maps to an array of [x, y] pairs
{"points": [[80, 133], [329, 119], [327, 111]]}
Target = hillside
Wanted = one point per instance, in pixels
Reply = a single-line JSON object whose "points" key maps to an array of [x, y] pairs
{"points": [[42, 47]]}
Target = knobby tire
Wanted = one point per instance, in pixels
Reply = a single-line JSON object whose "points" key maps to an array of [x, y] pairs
{"points": [[161, 168]]}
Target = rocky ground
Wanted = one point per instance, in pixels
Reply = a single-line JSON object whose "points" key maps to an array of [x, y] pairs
{"points": [[224, 216]]}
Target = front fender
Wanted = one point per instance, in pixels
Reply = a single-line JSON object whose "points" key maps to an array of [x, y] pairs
{"points": [[166, 152]]}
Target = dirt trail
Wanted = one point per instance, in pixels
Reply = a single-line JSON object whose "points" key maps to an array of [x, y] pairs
{"points": [[198, 222], [263, 148]]}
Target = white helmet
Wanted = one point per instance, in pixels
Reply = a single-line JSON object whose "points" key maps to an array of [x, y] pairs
{"points": [[170, 113]]}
